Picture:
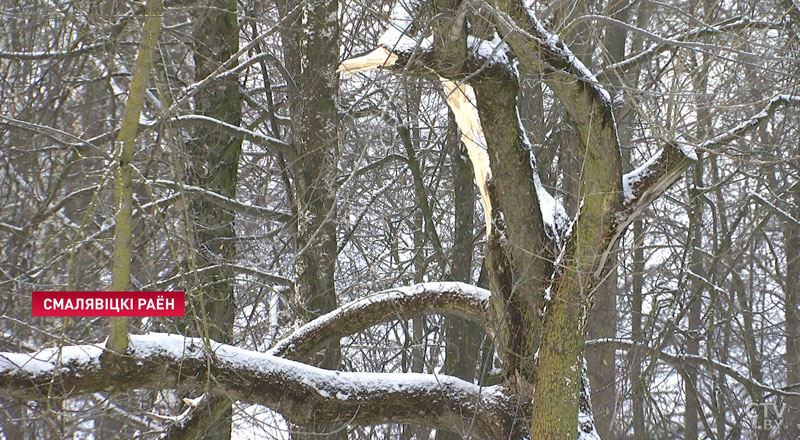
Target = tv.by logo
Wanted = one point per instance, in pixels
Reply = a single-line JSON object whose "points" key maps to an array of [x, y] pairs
{"points": [[773, 414]]}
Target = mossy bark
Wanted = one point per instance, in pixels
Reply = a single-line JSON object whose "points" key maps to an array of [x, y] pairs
{"points": [[123, 191], [521, 267]]}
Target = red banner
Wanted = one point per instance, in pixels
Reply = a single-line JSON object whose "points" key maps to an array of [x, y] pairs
{"points": [[108, 304]]}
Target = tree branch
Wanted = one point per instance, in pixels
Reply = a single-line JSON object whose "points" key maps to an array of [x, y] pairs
{"points": [[458, 298], [686, 39], [222, 201], [649, 182], [301, 393], [681, 360]]}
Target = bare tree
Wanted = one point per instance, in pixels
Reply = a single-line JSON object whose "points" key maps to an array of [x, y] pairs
{"points": [[330, 239]]}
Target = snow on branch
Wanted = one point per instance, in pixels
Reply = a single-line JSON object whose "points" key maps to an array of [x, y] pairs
{"points": [[650, 180], [397, 37], [494, 51], [553, 55], [56, 55], [749, 124], [397, 42], [263, 275], [55, 134], [583, 98], [301, 393], [394, 41], [402, 302], [772, 206], [249, 135]]}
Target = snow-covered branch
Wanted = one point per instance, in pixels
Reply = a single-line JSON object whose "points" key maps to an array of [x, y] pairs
{"points": [[246, 270], [241, 132], [55, 134], [772, 206], [458, 298], [397, 43], [55, 55], [301, 393], [650, 180], [542, 50], [589, 107]]}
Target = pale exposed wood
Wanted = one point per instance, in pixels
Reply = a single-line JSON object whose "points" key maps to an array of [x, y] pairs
{"points": [[461, 100], [378, 58]]}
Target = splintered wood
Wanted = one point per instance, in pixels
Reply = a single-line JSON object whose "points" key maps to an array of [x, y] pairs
{"points": [[461, 100], [380, 57]]}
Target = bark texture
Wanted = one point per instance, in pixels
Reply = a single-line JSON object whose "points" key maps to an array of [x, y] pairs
{"points": [[311, 56], [213, 166], [123, 191]]}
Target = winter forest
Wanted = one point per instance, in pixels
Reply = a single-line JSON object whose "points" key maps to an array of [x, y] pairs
{"points": [[403, 219]]}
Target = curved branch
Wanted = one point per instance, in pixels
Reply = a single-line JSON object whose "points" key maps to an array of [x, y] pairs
{"points": [[301, 393], [679, 361], [458, 298]]}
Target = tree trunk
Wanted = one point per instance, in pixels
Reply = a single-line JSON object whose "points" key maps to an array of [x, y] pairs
{"points": [[311, 55], [214, 165], [638, 383], [792, 310], [123, 191]]}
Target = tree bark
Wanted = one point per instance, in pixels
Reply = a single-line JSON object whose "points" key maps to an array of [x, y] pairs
{"points": [[213, 166], [463, 337], [123, 191], [311, 55], [791, 231]]}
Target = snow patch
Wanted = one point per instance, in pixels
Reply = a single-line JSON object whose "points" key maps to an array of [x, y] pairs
{"points": [[630, 180], [495, 50], [686, 148], [396, 38], [554, 216], [48, 360]]}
